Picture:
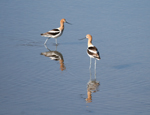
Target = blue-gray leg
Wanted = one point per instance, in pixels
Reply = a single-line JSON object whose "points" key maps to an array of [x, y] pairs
{"points": [[46, 40], [95, 68], [90, 64]]}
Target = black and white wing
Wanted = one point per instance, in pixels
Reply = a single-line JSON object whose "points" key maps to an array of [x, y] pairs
{"points": [[52, 33], [93, 52]]}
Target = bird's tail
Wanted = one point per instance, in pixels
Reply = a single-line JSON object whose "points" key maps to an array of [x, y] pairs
{"points": [[43, 53], [98, 58], [43, 34]]}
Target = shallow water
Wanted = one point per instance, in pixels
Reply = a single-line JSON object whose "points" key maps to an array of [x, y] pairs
{"points": [[34, 84]]}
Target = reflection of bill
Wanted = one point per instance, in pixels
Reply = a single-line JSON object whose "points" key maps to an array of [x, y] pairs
{"points": [[57, 56], [92, 87]]}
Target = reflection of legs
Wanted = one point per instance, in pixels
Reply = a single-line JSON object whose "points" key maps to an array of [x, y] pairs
{"points": [[56, 40], [95, 68], [46, 40], [46, 47], [56, 47]]}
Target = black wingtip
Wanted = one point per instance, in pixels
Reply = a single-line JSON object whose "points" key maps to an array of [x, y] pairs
{"points": [[98, 58]]}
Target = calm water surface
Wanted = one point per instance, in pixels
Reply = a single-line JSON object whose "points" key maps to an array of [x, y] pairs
{"points": [[33, 84]]}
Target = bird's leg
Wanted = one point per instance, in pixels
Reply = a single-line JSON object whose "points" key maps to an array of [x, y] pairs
{"points": [[90, 64], [90, 69], [95, 69], [90, 74], [46, 40]]}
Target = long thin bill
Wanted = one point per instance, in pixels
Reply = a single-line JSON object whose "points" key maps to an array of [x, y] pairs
{"points": [[68, 23], [82, 38]]}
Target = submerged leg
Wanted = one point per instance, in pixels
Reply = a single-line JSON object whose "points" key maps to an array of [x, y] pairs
{"points": [[46, 40], [56, 40]]}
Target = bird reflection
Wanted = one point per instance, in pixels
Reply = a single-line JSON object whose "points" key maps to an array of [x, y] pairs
{"points": [[55, 55], [92, 87]]}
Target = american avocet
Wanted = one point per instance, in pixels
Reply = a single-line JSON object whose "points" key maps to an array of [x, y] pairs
{"points": [[55, 33], [92, 51]]}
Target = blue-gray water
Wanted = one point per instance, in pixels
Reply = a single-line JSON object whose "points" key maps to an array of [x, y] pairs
{"points": [[32, 84]]}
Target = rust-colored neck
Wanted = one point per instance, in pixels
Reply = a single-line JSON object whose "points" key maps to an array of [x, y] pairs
{"points": [[90, 41], [61, 25]]}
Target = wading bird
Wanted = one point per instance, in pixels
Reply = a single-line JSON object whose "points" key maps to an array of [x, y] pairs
{"points": [[55, 33], [92, 51]]}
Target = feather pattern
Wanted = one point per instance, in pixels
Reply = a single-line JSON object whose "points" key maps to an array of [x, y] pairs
{"points": [[93, 52], [54, 33]]}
